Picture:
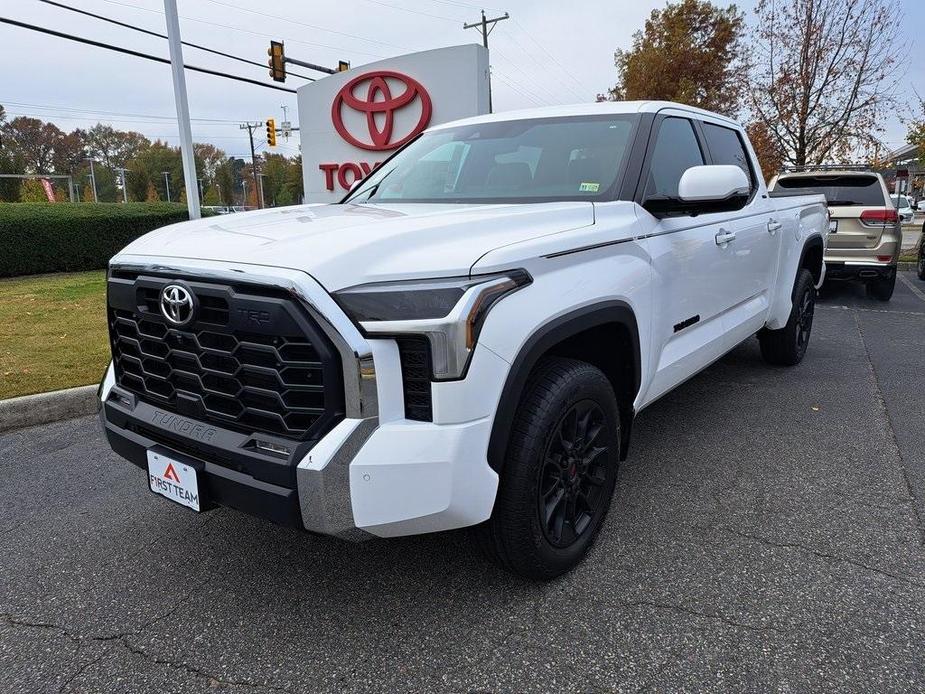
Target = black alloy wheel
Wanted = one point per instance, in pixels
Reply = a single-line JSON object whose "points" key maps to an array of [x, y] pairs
{"points": [[806, 310], [573, 476]]}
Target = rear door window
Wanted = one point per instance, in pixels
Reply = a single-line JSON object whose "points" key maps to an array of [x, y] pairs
{"points": [[726, 147], [845, 191]]}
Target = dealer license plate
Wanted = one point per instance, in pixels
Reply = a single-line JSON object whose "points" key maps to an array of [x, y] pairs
{"points": [[173, 480]]}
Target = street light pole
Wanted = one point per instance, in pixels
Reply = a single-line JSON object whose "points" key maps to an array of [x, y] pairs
{"points": [[122, 170], [179, 92], [167, 184], [93, 181]]}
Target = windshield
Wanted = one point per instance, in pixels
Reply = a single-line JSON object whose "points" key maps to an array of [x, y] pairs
{"points": [[839, 191], [901, 201], [534, 160]]}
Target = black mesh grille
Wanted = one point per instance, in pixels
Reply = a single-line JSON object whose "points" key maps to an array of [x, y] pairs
{"points": [[414, 353], [247, 362]]}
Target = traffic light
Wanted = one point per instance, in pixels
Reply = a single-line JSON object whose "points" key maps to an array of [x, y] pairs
{"points": [[271, 132], [343, 66], [277, 61]]}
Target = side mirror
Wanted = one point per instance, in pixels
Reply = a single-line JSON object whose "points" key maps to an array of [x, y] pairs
{"points": [[705, 189], [713, 184]]}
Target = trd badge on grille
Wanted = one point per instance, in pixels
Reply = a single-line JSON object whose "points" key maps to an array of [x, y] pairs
{"points": [[177, 304]]}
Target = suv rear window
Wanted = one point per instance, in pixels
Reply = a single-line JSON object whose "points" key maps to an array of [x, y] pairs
{"points": [[838, 190]]}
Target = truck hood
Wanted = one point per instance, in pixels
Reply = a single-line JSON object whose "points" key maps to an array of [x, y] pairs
{"points": [[345, 245]]}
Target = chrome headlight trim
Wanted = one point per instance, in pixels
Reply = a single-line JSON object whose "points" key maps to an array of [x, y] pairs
{"points": [[454, 336]]}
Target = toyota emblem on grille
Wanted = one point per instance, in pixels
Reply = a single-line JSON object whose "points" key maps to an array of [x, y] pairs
{"points": [[177, 304]]}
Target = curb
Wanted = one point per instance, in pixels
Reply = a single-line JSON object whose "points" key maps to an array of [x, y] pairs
{"points": [[31, 410], [906, 267]]}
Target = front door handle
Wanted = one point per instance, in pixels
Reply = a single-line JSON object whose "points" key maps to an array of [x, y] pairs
{"points": [[774, 226], [724, 237]]}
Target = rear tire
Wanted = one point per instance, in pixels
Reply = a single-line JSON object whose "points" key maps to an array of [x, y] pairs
{"points": [[559, 471], [882, 288], [787, 346], [921, 263]]}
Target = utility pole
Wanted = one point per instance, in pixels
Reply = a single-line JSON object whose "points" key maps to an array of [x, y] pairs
{"points": [[93, 181], [179, 93], [483, 27], [121, 171], [250, 133], [263, 195], [167, 184]]}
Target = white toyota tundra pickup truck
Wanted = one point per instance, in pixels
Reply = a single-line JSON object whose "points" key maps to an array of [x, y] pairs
{"points": [[467, 338]]}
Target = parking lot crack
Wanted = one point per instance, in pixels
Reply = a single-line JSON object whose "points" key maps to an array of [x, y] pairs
{"points": [[214, 680], [698, 614], [83, 668], [889, 420], [823, 555]]}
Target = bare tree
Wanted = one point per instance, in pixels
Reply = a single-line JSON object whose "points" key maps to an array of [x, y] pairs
{"points": [[824, 73]]}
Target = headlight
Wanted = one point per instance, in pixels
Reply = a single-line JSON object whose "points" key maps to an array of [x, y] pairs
{"points": [[449, 312]]}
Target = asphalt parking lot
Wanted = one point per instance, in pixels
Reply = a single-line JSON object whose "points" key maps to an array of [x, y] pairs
{"points": [[767, 533]]}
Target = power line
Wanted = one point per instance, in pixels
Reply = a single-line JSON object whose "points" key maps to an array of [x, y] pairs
{"points": [[408, 9], [549, 55], [50, 107], [138, 54], [246, 31], [290, 20], [164, 36]]}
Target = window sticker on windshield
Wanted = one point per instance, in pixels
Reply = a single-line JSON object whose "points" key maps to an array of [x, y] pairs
{"points": [[585, 187]]}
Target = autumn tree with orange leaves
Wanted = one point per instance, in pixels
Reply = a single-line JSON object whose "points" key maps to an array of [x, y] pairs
{"points": [[691, 52]]}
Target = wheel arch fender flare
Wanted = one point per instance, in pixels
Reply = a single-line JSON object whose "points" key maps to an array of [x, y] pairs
{"points": [[540, 342], [811, 244]]}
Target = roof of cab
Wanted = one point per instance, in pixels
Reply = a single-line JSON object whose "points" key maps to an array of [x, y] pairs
{"points": [[591, 109]]}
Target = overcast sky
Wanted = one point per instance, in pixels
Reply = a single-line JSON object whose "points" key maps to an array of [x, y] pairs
{"points": [[549, 52]]}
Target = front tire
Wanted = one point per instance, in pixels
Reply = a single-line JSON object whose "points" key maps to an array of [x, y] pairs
{"points": [[882, 288], [559, 472], [787, 346], [921, 263]]}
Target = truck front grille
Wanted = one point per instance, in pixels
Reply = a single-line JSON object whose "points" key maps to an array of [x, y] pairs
{"points": [[251, 360]]}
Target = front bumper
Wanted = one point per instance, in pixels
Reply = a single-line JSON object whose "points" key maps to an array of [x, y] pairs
{"points": [[374, 473]]}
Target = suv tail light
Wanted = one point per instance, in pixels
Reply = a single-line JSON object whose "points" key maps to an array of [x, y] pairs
{"points": [[877, 218]]}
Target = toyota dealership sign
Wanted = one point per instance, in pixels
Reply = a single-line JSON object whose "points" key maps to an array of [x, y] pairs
{"points": [[352, 121]]}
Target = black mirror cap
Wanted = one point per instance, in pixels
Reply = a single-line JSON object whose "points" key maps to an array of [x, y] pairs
{"points": [[662, 206]]}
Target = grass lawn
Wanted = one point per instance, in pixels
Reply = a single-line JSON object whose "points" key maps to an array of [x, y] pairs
{"points": [[52, 332]]}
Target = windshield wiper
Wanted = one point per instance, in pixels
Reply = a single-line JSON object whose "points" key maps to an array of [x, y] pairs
{"points": [[371, 191]]}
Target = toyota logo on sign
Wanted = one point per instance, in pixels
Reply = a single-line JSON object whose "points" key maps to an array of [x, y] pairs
{"points": [[371, 95]]}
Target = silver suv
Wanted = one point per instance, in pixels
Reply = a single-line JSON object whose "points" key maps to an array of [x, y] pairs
{"points": [[864, 229]]}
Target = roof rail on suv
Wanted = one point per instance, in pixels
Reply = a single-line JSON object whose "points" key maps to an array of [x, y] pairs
{"points": [[829, 167]]}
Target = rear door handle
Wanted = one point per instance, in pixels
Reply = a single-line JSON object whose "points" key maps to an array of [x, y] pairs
{"points": [[724, 237], [774, 226]]}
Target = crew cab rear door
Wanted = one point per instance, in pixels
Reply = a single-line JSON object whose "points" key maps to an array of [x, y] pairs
{"points": [[757, 231]]}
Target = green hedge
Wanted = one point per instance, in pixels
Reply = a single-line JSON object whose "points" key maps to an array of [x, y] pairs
{"points": [[63, 237]]}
